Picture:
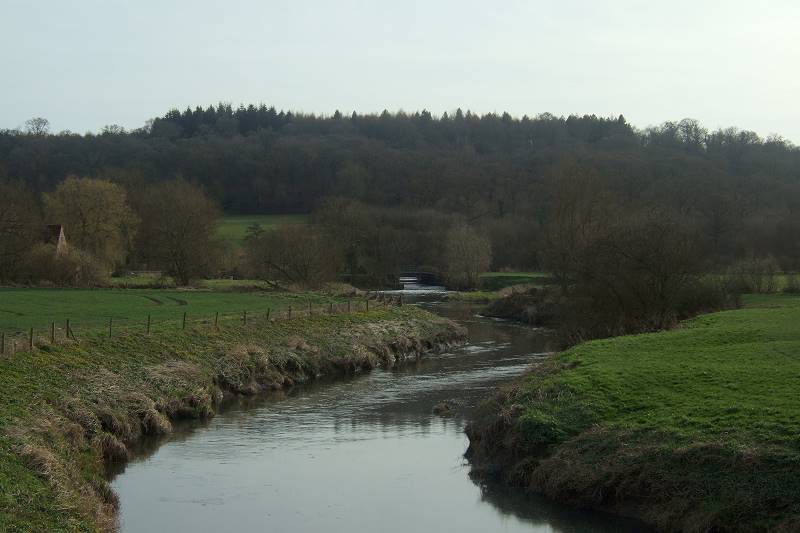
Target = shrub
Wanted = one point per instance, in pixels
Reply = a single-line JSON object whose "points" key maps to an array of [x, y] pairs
{"points": [[74, 267], [792, 284], [755, 274]]}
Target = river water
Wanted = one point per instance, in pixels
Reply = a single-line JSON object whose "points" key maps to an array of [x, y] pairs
{"points": [[366, 454]]}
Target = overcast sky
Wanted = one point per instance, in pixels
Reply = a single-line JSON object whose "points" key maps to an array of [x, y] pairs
{"points": [[84, 64]]}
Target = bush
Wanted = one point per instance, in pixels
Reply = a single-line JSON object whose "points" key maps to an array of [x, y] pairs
{"points": [[296, 255], [74, 267], [754, 275], [792, 284]]}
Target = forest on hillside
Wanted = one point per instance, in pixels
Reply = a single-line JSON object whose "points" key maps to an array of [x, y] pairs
{"points": [[500, 175]]}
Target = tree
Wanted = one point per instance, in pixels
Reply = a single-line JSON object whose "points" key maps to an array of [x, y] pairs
{"points": [[297, 254], [579, 206], [640, 271], [467, 255], [20, 225], [37, 126], [177, 230], [96, 218]]}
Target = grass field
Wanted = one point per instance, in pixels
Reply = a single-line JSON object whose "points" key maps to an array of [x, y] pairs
{"points": [[87, 309], [708, 414], [733, 375], [493, 281], [234, 227]]}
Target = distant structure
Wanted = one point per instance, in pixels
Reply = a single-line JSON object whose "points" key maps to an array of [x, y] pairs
{"points": [[54, 234]]}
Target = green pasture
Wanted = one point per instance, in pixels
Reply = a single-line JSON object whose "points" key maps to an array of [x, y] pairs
{"points": [[494, 281], [234, 227], [23, 308]]}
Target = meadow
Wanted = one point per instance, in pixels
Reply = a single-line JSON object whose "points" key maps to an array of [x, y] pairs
{"points": [[234, 227], [494, 281], [91, 309]]}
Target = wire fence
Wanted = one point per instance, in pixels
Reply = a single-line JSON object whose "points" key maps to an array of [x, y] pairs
{"points": [[70, 330]]}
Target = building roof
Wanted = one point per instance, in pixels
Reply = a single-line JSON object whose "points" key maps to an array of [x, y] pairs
{"points": [[52, 233]]}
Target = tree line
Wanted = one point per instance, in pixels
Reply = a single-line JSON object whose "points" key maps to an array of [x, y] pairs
{"points": [[415, 177], [168, 226]]}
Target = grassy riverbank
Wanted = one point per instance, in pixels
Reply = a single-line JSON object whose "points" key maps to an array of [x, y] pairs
{"points": [[68, 409], [694, 429]]}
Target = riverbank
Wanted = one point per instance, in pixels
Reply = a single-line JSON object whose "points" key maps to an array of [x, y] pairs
{"points": [[693, 429], [67, 410]]}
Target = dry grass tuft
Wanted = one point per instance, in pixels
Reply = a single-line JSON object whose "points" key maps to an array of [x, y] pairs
{"points": [[110, 447]]}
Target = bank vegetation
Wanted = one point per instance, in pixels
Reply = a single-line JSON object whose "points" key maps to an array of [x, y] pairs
{"points": [[69, 410]]}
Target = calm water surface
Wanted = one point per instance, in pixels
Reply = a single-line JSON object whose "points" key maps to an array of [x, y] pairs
{"points": [[362, 455]]}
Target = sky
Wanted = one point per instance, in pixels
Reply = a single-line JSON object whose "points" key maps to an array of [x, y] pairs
{"points": [[84, 64]]}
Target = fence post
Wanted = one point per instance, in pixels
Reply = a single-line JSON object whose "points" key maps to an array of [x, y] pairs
{"points": [[401, 299], [183, 325], [330, 308], [30, 340], [367, 302], [110, 322], [216, 321], [289, 312], [348, 305], [52, 332], [2, 343], [148, 324], [244, 318], [67, 329], [268, 310]]}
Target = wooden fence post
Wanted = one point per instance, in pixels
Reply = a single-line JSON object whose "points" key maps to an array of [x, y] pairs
{"points": [[67, 329], [367, 302], [289, 312], [30, 340], [401, 299], [52, 332], [110, 322], [330, 308], [244, 318], [2, 343], [268, 310], [309, 308], [183, 325], [216, 321], [148, 324]]}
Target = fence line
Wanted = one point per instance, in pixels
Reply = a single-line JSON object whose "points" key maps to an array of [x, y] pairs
{"points": [[10, 342]]}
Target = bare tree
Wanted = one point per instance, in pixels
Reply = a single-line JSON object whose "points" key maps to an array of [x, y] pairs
{"points": [[177, 229], [579, 207], [37, 126], [467, 255], [297, 254], [19, 223]]}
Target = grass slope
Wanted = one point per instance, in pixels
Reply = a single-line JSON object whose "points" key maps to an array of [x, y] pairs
{"points": [[65, 410], [691, 429]]}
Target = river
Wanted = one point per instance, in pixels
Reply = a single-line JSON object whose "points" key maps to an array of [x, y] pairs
{"points": [[365, 454]]}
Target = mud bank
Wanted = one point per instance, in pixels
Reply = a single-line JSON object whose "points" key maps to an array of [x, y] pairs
{"points": [[68, 411]]}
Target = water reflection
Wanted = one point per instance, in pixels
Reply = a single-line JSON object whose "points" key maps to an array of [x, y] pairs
{"points": [[362, 455]]}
